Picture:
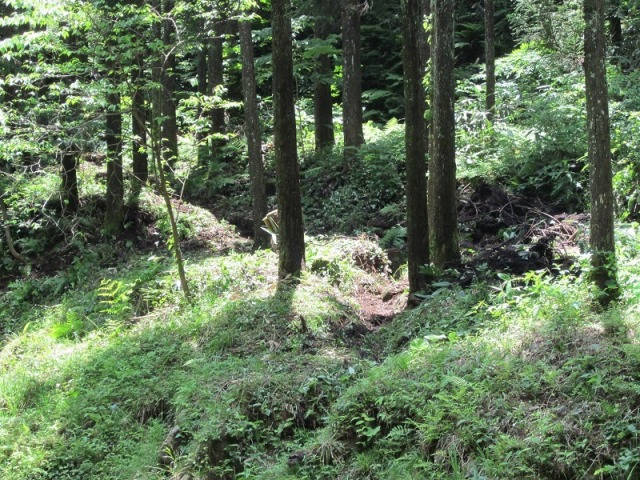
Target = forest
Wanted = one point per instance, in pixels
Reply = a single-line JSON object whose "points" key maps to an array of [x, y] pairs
{"points": [[319, 239]]}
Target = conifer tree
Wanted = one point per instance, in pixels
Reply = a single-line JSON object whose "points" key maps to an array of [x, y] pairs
{"points": [[417, 225], [291, 233], [443, 220]]}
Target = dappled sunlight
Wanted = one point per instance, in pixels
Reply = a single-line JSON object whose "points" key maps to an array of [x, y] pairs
{"points": [[146, 335], [177, 364], [525, 371], [521, 367]]}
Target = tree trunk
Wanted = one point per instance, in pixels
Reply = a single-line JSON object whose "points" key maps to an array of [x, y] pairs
{"points": [[351, 77], [140, 159], [261, 238], [114, 214], [291, 232], [425, 56], [156, 94], [414, 100], [490, 57], [162, 186], [216, 79], [599, 153], [170, 121], [615, 31], [322, 99], [139, 154], [203, 66], [70, 197], [443, 221]]}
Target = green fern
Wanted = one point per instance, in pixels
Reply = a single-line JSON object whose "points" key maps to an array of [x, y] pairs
{"points": [[115, 297], [395, 237], [391, 210]]}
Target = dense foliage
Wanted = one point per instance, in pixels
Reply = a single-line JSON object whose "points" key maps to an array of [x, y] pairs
{"points": [[507, 369]]}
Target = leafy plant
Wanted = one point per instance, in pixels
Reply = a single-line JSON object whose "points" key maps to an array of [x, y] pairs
{"points": [[536, 146], [115, 298], [70, 325], [374, 180], [395, 237]]}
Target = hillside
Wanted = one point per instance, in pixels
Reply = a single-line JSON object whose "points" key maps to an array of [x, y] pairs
{"points": [[107, 373]]}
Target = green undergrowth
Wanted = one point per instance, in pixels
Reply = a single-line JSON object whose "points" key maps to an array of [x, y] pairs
{"points": [[518, 379]]}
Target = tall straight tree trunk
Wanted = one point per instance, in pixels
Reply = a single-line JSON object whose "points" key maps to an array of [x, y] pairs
{"points": [[139, 154], [215, 80], [114, 213], [261, 238], [414, 101], [156, 95], [202, 90], [425, 56], [70, 197], [599, 152], [140, 159], [170, 121], [490, 57], [443, 221], [291, 232], [351, 77], [615, 30], [322, 99]]}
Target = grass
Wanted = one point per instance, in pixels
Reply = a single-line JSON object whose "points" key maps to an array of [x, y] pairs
{"points": [[91, 378], [522, 379]]}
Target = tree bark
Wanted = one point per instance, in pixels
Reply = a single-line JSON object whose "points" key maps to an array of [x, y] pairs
{"points": [[599, 153], [114, 213], [414, 100], [140, 159], [443, 221], [291, 232], [322, 99], [203, 66], [170, 121], [490, 57], [351, 77], [70, 197], [216, 79], [261, 239]]}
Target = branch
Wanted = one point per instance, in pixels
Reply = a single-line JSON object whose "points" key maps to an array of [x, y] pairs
{"points": [[7, 233]]}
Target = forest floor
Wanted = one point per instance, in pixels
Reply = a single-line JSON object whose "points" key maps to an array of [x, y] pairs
{"points": [[505, 370], [499, 232], [515, 234]]}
